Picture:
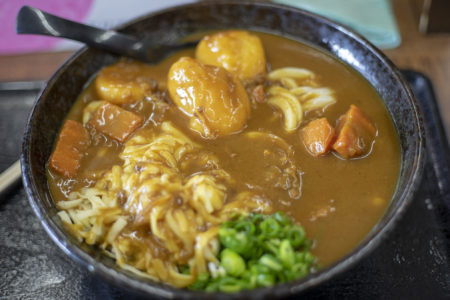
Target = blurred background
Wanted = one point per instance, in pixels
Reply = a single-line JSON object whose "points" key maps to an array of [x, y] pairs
{"points": [[414, 34]]}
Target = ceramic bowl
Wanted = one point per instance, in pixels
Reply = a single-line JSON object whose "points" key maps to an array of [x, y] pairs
{"points": [[64, 86]]}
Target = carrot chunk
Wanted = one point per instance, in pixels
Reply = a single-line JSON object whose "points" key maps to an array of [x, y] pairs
{"points": [[355, 133], [115, 122], [318, 136], [73, 140]]}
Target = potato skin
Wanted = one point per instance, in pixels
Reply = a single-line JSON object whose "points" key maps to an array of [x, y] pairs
{"points": [[238, 51], [215, 100], [124, 82]]}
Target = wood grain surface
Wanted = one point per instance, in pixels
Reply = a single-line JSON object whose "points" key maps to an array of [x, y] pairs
{"points": [[429, 54]]}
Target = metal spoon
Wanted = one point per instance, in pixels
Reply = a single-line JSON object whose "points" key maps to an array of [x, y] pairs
{"points": [[34, 21]]}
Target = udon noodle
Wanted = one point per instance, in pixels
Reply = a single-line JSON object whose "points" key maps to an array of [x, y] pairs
{"points": [[298, 94], [151, 180], [155, 196]]}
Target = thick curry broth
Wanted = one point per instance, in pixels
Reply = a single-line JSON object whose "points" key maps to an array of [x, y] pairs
{"points": [[341, 200]]}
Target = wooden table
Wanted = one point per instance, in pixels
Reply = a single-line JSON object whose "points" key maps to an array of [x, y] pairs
{"points": [[429, 54]]}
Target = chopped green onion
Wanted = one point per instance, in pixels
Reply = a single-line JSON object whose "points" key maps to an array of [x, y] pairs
{"points": [[300, 270], [236, 241], [232, 262], [201, 282], [286, 253], [245, 226], [258, 251], [309, 258], [265, 279], [230, 284], [270, 227], [296, 235], [299, 257], [257, 218], [282, 218], [271, 262]]}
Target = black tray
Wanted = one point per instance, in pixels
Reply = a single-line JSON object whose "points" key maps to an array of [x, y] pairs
{"points": [[412, 263]]}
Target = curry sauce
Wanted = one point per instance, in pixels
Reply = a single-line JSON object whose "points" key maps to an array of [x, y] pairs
{"points": [[337, 200]]}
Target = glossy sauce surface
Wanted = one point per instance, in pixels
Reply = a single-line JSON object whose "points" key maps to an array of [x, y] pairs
{"points": [[341, 200]]}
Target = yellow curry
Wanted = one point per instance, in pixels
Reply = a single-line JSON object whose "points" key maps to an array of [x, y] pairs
{"points": [[152, 159]]}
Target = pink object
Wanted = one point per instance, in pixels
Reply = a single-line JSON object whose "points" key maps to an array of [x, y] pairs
{"points": [[12, 43]]}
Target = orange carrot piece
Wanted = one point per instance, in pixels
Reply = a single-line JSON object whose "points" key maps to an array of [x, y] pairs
{"points": [[72, 142], [355, 133], [115, 122], [318, 136]]}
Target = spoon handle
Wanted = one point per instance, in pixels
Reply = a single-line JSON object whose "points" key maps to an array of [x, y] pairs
{"points": [[34, 21]]}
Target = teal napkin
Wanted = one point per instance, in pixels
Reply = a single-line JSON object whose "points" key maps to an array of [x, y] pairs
{"points": [[373, 19]]}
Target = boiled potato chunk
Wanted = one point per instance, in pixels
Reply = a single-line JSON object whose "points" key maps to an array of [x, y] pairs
{"points": [[239, 52], [124, 82], [215, 99]]}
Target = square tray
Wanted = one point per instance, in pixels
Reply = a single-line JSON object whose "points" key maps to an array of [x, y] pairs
{"points": [[412, 263]]}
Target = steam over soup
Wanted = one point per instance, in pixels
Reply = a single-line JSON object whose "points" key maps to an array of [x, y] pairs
{"points": [[250, 160]]}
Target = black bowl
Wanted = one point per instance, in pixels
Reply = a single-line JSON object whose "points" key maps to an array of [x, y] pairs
{"points": [[62, 90]]}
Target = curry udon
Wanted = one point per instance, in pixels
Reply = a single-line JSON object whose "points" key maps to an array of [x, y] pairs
{"points": [[153, 160]]}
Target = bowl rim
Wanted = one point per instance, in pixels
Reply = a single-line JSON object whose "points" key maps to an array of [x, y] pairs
{"points": [[141, 285]]}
